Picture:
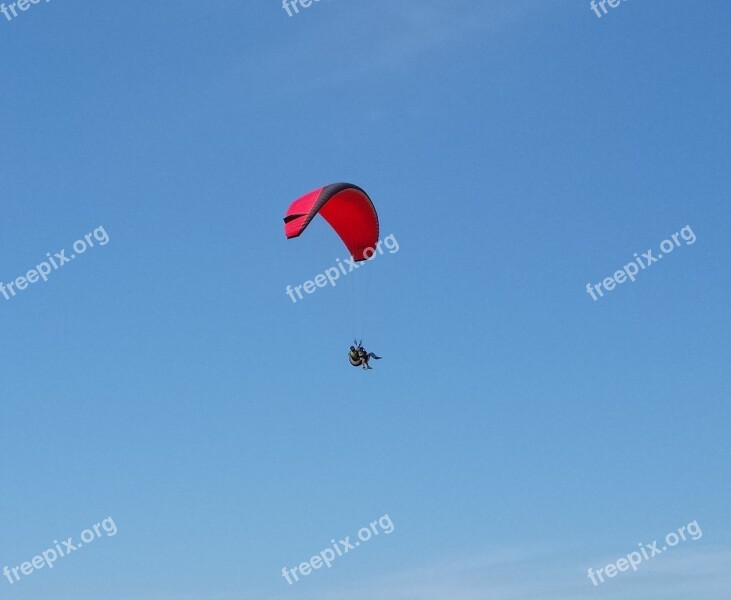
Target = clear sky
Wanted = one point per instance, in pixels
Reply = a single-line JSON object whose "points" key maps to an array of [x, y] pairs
{"points": [[516, 432]]}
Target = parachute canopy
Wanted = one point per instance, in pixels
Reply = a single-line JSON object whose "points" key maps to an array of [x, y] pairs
{"points": [[348, 210]]}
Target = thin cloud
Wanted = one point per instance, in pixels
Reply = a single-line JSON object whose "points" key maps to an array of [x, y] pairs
{"points": [[420, 27], [701, 573], [362, 39]]}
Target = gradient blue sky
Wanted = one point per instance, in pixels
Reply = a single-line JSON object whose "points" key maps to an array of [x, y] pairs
{"points": [[516, 432]]}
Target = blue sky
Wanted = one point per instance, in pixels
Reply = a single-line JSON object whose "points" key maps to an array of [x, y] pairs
{"points": [[516, 432]]}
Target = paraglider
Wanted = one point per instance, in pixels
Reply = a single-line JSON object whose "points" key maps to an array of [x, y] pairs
{"points": [[360, 356], [350, 212]]}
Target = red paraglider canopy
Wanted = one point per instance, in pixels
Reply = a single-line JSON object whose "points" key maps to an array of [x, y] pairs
{"points": [[348, 210]]}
